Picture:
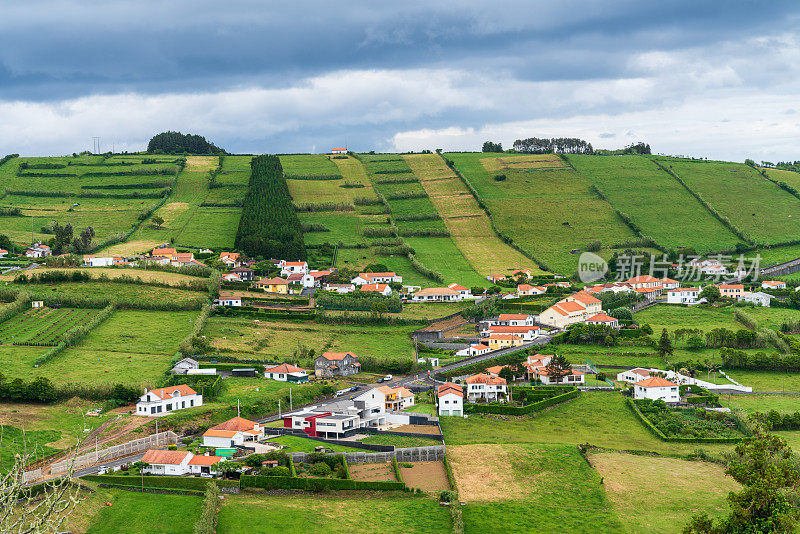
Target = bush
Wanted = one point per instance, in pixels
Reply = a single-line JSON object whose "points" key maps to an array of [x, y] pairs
{"points": [[172, 447], [499, 177], [316, 484], [321, 470], [279, 471]]}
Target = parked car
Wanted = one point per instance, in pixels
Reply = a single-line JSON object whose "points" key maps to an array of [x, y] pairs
{"points": [[102, 470], [387, 378]]}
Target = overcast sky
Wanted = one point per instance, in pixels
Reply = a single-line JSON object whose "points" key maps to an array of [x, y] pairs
{"points": [[717, 79]]}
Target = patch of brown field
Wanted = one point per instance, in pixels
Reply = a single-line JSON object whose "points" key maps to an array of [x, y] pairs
{"points": [[484, 473], [130, 248], [201, 163], [372, 472], [39, 417], [353, 171], [172, 210], [522, 162], [419, 429], [96, 272], [446, 187], [429, 166], [427, 476], [644, 488]]}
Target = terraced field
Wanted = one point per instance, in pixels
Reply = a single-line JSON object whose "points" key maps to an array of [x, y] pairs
{"points": [[543, 205], [469, 226], [758, 207], [42, 326], [634, 185]]}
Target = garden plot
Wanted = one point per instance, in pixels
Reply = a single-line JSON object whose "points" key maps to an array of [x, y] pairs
{"points": [[427, 476], [372, 472], [42, 326]]}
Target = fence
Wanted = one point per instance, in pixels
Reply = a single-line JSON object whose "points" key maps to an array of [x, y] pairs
{"points": [[410, 454], [33, 474], [126, 449]]}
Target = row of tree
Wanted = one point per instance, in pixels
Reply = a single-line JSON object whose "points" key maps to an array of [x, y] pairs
{"points": [[269, 226], [558, 145]]}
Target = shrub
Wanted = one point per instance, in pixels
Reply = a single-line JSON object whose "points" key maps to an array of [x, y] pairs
{"points": [[279, 471], [499, 177], [172, 447], [320, 469]]}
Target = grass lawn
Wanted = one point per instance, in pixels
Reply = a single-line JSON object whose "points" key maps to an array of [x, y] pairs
{"points": [[762, 403], [400, 441], [79, 365], [618, 356], [633, 184], [597, 418], [145, 513], [753, 204], [530, 488], [298, 444], [143, 332], [672, 318], [16, 439], [767, 381], [283, 340], [422, 407], [354, 512], [660, 495], [440, 254]]}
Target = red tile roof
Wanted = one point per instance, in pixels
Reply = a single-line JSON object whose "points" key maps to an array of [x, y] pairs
{"points": [[513, 316], [374, 287], [602, 317], [205, 460], [337, 355], [656, 382], [169, 392], [449, 387], [237, 424], [483, 378], [285, 368], [153, 456]]}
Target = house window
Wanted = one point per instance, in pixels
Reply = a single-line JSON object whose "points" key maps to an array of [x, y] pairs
{"points": [[153, 409], [191, 402], [169, 407], [183, 404], [159, 409]]}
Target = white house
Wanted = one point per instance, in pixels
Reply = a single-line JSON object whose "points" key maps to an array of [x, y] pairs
{"points": [[484, 387], [683, 295], [759, 298], [324, 424], [38, 251], [165, 400], [476, 349], [178, 463], [465, 291], [383, 289], [512, 319], [613, 287], [233, 432], [536, 369], [315, 278], [527, 333], [231, 277], [338, 151], [436, 294], [98, 261], [184, 365], [571, 310], [232, 300], [3, 253], [527, 289], [292, 267], [633, 375], [286, 372], [656, 388], [340, 288], [451, 399], [712, 267], [644, 281], [603, 319], [377, 278], [669, 283], [230, 259], [773, 284]]}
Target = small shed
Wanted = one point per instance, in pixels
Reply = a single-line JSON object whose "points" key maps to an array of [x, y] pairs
{"points": [[245, 371], [37, 304]]}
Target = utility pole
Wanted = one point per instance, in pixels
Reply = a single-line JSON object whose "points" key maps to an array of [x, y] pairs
{"points": [[238, 413], [279, 407], [291, 404]]}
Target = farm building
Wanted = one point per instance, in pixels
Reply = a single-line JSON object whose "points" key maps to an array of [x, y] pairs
{"points": [[184, 365], [286, 372]]}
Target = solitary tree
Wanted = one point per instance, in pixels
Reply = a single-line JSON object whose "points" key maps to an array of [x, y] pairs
{"points": [[664, 344], [158, 221], [558, 367], [710, 293]]}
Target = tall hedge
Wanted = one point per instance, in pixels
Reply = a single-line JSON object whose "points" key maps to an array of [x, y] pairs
{"points": [[269, 226], [316, 484]]}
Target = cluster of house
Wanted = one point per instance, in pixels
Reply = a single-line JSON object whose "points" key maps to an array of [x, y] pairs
{"points": [[344, 418], [38, 250], [161, 255], [501, 332], [490, 387], [580, 307]]}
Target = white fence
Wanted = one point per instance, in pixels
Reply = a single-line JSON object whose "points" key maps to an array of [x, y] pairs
{"points": [[30, 476], [410, 454], [117, 451]]}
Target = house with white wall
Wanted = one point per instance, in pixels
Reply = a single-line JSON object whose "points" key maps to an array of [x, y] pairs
{"points": [[571, 310], [759, 298], [293, 267], [773, 284], [383, 289], [733, 291], [286, 372], [683, 295], [340, 288], [436, 294], [527, 333], [232, 433], [483, 387], [178, 463], [162, 401], [451, 399], [377, 278], [229, 300], [603, 320], [634, 375], [475, 349], [524, 290], [656, 388]]}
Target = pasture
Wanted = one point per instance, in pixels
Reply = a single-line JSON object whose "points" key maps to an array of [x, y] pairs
{"points": [[140, 513], [645, 490], [530, 487], [634, 184], [291, 340], [364, 512], [549, 212], [753, 204], [470, 228], [123, 292]]}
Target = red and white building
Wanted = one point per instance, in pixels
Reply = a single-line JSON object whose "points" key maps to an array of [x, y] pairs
{"points": [[451, 399], [773, 284], [524, 290], [383, 289], [339, 151], [536, 369], [683, 295], [511, 319], [234, 432], [340, 288], [603, 319], [377, 278], [465, 291], [286, 372], [230, 259], [657, 388], [178, 463], [526, 333], [486, 388], [574, 309], [293, 267], [315, 278]]}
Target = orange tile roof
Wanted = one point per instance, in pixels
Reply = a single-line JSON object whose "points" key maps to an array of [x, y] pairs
{"points": [[503, 336], [571, 306], [436, 291], [680, 289], [220, 433], [669, 281], [524, 287], [164, 251], [169, 392], [205, 460], [511, 329], [295, 263], [602, 317], [483, 378], [374, 287], [457, 287], [236, 423], [367, 276], [655, 382], [337, 355], [231, 255], [496, 369], [730, 286], [643, 279], [449, 387], [154, 456], [513, 316], [285, 368], [585, 298], [277, 281]]}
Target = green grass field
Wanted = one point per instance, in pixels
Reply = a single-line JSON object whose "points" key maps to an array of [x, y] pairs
{"points": [[548, 211], [145, 513], [42, 326], [285, 340], [762, 403], [634, 184], [121, 291], [299, 444], [767, 381], [359, 511], [675, 317], [752, 203], [15, 440]]}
